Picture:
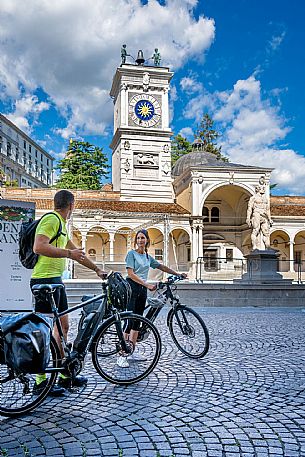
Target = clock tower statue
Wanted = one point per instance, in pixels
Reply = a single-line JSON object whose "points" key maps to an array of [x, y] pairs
{"points": [[141, 148]]}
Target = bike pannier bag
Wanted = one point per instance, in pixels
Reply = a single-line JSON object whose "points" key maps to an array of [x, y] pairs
{"points": [[27, 341], [27, 256], [89, 319]]}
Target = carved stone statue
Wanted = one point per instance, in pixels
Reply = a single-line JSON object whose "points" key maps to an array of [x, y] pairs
{"points": [[123, 53], [157, 57], [259, 218]]}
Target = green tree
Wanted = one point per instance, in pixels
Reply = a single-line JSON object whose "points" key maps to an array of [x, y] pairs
{"points": [[83, 167], [209, 136], [180, 147], [206, 132]]}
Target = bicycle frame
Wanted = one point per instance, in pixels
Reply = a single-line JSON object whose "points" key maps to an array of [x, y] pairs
{"points": [[152, 313], [74, 354]]}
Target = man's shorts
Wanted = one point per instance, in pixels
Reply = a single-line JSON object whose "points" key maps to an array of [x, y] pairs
{"points": [[60, 297]]}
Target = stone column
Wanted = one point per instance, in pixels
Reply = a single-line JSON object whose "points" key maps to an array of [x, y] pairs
{"points": [[200, 240], [84, 241], [111, 246], [165, 241], [197, 244], [291, 256]]}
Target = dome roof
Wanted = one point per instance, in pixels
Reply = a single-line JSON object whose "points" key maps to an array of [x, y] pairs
{"points": [[196, 159]]}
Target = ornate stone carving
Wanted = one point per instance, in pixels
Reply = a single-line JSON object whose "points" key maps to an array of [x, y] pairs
{"points": [[146, 78], [145, 160]]}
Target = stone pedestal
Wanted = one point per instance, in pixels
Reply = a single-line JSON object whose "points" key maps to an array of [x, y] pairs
{"points": [[262, 268]]}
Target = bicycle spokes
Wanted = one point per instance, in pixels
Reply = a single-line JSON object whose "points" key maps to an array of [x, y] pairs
{"points": [[189, 332], [122, 366]]}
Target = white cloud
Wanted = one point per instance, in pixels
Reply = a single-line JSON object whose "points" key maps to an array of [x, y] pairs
{"points": [[71, 48], [187, 132], [253, 131], [28, 105], [276, 41], [190, 85]]}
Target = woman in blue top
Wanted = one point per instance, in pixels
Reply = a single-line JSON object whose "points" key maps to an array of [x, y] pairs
{"points": [[138, 263]]}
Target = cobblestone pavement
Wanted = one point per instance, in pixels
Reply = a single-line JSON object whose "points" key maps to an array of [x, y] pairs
{"points": [[245, 398]]}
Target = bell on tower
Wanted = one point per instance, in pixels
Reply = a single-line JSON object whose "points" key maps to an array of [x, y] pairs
{"points": [[140, 59]]}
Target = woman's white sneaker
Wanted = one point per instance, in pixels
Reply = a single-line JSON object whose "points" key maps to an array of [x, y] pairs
{"points": [[122, 362]]}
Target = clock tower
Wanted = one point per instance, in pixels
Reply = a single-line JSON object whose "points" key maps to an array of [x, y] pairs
{"points": [[141, 148]]}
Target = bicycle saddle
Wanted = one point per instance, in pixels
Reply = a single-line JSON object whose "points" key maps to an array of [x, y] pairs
{"points": [[46, 287]]}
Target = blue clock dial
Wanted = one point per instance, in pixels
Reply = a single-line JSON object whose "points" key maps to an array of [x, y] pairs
{"points": [[144, 110]]}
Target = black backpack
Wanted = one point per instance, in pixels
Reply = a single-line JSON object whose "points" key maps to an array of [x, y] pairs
{"points": [[26, 241], [25, 340]]}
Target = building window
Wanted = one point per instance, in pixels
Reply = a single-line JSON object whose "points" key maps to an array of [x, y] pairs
{"points": [[215, 214], [159, 254], [30, 148], [8, 149], [205, 214], [0, 143], [36, 153], [41, 157], [24, 144], [229, 255], [48, 162]]}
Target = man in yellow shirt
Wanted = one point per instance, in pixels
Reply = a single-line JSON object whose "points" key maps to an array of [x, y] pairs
{"points": [[51, 265]]}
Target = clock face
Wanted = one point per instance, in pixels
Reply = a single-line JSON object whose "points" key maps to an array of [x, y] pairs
{"points": [[145, 110]]}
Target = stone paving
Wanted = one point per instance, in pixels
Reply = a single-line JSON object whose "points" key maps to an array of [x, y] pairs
{"points": [[245, 398]]}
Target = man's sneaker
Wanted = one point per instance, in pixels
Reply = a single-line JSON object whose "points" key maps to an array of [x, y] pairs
{"points": [[56, 391], [79, 381], [122, 362], [137, 357]]}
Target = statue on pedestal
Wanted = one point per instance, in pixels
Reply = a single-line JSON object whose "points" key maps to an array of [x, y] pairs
{"points": [[123, 53], [157, 57], [259, 218]]}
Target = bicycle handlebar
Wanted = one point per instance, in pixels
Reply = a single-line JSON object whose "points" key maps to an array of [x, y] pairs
{"points": [[170, 280]]}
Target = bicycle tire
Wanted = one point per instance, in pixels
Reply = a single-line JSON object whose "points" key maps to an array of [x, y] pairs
{"points": [[106, 348], [14, 400], [193, 338]]}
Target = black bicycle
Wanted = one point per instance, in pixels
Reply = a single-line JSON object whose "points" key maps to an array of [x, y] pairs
{"points": [[105, 342], [186, 327]]}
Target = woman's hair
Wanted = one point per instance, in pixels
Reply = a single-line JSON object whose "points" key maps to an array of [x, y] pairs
{"points": [[147, 244]]}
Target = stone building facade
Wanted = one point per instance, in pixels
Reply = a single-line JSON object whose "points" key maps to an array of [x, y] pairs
{"points": [[22, 159]]}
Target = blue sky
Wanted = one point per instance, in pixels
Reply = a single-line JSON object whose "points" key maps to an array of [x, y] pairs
{"points": [[241, 61]]}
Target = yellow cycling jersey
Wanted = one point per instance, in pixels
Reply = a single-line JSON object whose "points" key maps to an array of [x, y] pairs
{"points": [[48, 267]]}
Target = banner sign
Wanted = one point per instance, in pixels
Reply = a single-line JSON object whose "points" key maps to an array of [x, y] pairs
{"points": [[15, 291]]}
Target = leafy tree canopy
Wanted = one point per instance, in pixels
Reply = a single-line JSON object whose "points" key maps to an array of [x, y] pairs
{"points": [[206, 132], [83, 167], [180, 147]]}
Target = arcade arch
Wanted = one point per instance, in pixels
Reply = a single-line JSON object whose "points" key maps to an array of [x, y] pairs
{"points": [[224, 213], [123, 241], [97, 244], [179, 250], [299, 251]]}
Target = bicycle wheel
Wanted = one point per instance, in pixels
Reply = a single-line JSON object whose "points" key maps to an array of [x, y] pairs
{"points": [[16, 390], [188, 332], [107, 348]]}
